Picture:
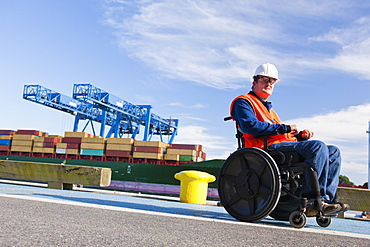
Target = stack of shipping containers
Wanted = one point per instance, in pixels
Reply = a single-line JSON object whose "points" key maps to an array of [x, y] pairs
{"points": [[84, 144]]}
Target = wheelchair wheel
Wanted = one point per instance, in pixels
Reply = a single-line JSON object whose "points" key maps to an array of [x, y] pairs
{"points": [[249, 184], [323, 222], [297, 219]]}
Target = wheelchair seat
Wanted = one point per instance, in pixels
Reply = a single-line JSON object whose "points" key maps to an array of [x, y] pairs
{"points": [[285, 158]]}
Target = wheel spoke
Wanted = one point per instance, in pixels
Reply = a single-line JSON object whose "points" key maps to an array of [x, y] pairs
{"points": [[261, 168], [265, 190], [228, 177], [243, 162], [234, 199]]}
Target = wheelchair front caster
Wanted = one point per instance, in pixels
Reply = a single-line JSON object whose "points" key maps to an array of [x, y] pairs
{"points": [[297, 219], [323, 222]]}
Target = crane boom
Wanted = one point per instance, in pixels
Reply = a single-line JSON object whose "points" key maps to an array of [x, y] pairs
{"points": [[138, 114], [96, 105]]}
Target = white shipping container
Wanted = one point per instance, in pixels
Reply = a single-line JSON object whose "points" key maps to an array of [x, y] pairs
{"points": [[60, 151]]}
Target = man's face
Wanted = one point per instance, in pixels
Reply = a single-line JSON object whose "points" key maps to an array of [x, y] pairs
{"points": [[264, 87]]}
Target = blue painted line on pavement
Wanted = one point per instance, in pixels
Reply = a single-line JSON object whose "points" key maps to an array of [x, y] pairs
{"points": [[164, 206]]}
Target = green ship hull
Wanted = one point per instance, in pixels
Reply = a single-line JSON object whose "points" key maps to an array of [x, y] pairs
{"points": [[141, 177]]}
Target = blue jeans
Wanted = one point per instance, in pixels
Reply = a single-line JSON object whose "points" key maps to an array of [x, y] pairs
{"points": [[325, 159]]}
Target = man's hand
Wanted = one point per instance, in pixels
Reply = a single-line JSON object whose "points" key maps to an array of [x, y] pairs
{"points": [[306, 134], [293, 129], [302, 135]]}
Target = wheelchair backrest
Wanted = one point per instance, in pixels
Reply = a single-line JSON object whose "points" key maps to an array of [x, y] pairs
{"points": [[240, 138], [238, 135]]}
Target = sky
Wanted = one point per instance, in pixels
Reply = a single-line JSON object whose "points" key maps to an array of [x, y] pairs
{"points": [[189, 59]]}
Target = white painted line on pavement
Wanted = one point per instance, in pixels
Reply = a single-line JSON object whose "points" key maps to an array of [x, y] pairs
{"points": [[114, 208]]}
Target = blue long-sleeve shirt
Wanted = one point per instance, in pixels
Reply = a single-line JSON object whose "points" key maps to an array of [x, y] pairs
{"points": [[243, 114]]}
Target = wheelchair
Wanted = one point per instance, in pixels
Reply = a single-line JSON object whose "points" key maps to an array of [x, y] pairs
{"points": [[255, 183]]}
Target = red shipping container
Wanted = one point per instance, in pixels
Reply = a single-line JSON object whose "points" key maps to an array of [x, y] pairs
{"points": [[4, 147], [116, 153], [7, 132], [72, 139], [204, 156], [187, 146], [29, 132], [157, 150], [52, 139], [49, 145], [73, 145]]}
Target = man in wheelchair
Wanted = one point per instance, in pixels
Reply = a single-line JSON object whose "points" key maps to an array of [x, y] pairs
{"points": [[255, 120]]}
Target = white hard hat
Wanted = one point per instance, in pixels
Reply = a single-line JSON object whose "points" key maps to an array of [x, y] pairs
{"points": [[267, 69]]}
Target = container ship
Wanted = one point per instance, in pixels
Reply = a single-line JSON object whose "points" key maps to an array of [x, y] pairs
{"points": [[137, 165], [141, 166]]}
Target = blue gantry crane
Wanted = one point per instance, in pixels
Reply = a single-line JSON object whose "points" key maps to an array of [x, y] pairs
{"points": [[132, 115], [96, 105]]}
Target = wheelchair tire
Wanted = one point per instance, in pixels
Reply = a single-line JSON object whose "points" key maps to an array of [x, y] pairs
{"points": [[323, 222], [249, 184], [297, 220]]}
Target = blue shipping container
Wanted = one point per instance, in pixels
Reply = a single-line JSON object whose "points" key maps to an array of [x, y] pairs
{"points": [[93, 152], [5, 142]]}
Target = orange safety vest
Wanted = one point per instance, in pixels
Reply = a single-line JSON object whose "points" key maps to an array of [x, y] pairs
{"points": [[263, 115]]}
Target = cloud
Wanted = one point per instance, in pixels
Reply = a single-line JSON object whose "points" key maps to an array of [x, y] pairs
{"points": [[195, 118], [196, 106], [345, 125], [214, 146], [146, 98], [182, 40], [353, 41], [217, 44]]}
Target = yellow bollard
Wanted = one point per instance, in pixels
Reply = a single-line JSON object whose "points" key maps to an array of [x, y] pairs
{"points": [[194, 186]]}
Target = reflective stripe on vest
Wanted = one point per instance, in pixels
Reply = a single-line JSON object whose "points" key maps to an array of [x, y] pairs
{"points": [[262, 115]]}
